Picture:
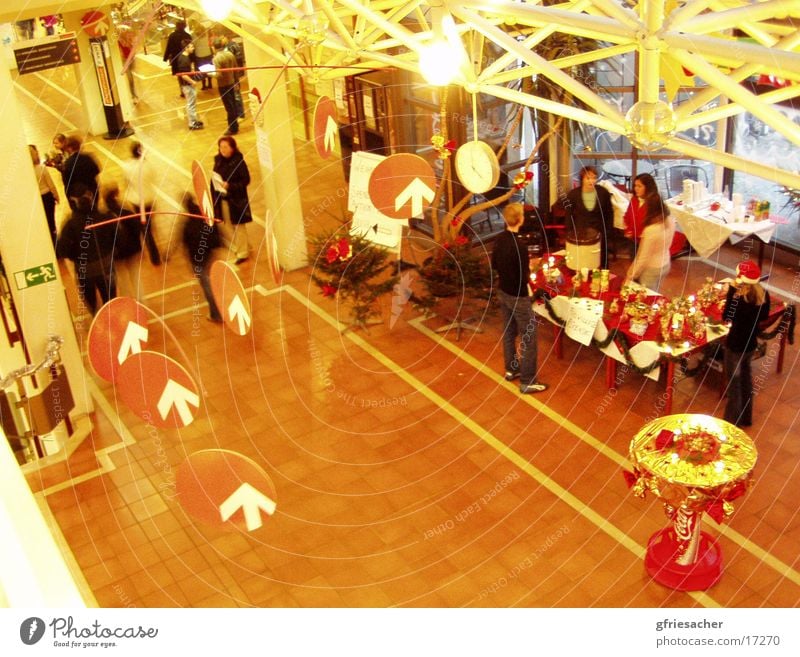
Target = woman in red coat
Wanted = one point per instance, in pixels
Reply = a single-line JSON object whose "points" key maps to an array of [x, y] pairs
{"points": [[643, 185]]}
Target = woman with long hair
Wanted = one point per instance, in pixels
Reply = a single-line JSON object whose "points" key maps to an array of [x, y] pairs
{"points": [[229, 191], [746, 305], [653, 261], [643, 186]]}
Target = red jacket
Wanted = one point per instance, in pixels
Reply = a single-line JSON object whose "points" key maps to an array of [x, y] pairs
{"points": [[634, 219]]}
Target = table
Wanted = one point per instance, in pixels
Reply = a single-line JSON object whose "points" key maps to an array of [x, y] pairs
{"points": [[623, 168], [708, 229], [647, 352]]}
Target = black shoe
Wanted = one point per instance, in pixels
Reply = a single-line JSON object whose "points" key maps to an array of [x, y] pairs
{"points": [[196, 126], [239, 261], [511, 375]]}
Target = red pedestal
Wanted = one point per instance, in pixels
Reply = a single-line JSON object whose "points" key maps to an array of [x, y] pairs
{"points": [[663, 553]]}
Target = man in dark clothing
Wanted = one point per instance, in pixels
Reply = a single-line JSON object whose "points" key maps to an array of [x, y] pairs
{"points": [[223, 62], [188, 79], [90, 249], [237, 51], [200, 241], [174, 46], [79, 169], [589, 207], [510, 261]]}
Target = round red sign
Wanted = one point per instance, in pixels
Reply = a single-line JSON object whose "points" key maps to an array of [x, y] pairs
{"points": [[230, 297], [217, 486], [402, 185], [118, 330], [326, 129]]}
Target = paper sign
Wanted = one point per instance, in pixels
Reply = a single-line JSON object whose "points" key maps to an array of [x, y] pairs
{"points": [[381, 231], [582, 319]]}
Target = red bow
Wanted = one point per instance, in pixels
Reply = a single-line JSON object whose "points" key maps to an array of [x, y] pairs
{"points": [[664, 439]]}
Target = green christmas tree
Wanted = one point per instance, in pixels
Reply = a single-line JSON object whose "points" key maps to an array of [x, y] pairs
{"points": [[353, 270]]}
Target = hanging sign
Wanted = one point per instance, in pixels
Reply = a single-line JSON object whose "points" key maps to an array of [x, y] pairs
{"points": [[118, 330], [402, 185]]}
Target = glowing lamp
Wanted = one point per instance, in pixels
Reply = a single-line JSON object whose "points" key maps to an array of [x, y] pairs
{"points": [[217, 10], [650, 126]]}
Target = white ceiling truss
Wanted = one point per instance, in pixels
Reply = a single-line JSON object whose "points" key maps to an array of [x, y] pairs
{"points": [[694, 34]]}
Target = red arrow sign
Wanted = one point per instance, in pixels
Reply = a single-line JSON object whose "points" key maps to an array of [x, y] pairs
{"points": [[158, 389], [95, 24], [402, 186], [326, 129], [119, 328], [220, 487], [230, 297]]}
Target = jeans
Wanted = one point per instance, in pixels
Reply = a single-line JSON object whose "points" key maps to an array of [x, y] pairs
{"points": [[519, 320], [190, 94], [739, 409], [231, 112], [237, 94]]}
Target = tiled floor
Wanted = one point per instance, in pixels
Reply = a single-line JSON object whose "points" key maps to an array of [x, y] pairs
{"points": [[407, 471]]}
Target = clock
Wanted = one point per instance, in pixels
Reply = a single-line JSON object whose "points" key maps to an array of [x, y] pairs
{"points": [[477, 166]]}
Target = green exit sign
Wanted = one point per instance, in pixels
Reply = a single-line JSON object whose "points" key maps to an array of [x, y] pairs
{"points": [[35, 276]]}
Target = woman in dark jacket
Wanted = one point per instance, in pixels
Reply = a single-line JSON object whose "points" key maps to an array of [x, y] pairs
{"points": [[229, 191], [746, 306]]}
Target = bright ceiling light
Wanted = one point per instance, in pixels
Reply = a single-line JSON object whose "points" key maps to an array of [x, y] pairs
{"points": [[650, 126], [217, 10], [439, 62]]}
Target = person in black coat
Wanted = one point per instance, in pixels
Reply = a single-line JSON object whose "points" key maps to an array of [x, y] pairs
{"points": [[79, 170], [127, 244], [229, 183], [589, 206], [174, 46], [200, 241], [90, 249], [510, 261], [746, 306]]}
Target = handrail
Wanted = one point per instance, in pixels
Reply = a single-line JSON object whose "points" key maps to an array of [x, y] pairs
{"points": [[51, 357]]}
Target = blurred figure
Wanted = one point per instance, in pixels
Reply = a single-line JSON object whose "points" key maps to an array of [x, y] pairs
{"points": [[229, 193], [126, 42], [80, 170], [235, 48], [201, 241], [653, 260], [202, 50], [90, 249], [140, 179], [47, 189], [55, 157], [127, 244]]}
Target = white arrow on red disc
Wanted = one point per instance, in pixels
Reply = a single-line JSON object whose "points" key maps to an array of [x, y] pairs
{"points": [[230, 297], [158, 389], [118, 330]]}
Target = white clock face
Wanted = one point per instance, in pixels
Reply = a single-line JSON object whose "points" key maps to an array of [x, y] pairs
{"points": [[477, 167]]}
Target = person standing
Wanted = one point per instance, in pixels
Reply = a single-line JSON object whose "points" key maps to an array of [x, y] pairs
{"points": [[201, 240], [643, 186], [48, 191], [229, 183], [140, 177], [80, 169], [224, 62], [746, 305], [187, 78], [589, 206], [126, 42], [174, 48], [653, 260], [202, 51], [510, 261], [235, 48]]}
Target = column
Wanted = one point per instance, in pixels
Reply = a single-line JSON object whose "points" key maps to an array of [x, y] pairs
{"points": [[276, 155], [25, 244]]}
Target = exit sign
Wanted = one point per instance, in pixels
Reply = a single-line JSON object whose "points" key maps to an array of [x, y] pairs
{"points": [[35, 276]]}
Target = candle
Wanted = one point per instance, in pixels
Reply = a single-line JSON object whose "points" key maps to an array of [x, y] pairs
{"points": [[551, 261], [545, 268]]}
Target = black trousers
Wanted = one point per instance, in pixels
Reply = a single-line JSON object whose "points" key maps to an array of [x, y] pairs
{"points": [[49, 203]]}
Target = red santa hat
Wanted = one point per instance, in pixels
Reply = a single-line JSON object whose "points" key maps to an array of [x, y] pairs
{"points": [[748, 272]]}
